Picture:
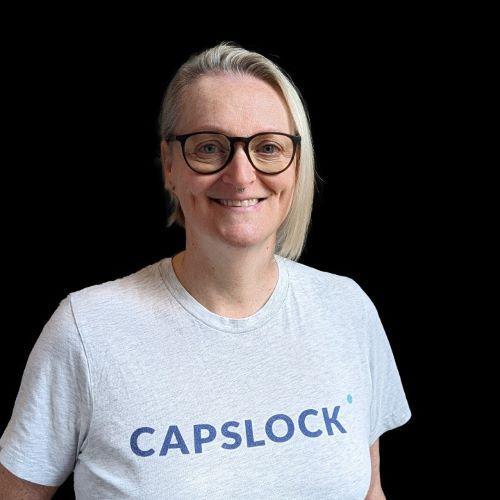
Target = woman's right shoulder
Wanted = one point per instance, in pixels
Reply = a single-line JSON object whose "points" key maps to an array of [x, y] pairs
{"points": [[121, 292]]}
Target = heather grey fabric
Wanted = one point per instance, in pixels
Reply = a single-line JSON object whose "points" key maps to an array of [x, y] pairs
{"points": [[144, 393]]}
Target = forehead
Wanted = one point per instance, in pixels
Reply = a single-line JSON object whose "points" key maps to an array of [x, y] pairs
{"points": [[235, 105]]}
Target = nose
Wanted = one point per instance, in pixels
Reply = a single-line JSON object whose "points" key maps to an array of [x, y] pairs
{"points": [[239, 171]]}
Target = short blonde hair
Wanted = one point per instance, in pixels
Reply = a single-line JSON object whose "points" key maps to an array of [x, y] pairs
{"points": [[231, 58]]}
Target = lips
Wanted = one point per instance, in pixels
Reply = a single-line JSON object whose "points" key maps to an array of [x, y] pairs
{"points": [[218, 200], [239, 208], [247, 198]]}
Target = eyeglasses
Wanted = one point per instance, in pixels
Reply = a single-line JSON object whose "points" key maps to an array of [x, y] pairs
{"points": [[209, 152]]}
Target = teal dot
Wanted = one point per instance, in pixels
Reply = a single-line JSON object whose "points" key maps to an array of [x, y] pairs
{"points": [[349, 398]]}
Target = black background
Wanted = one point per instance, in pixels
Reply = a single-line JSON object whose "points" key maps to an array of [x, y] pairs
{"points": [[86, 202]]}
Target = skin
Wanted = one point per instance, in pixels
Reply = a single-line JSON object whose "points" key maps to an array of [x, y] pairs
{"points": [[228, 264], [15, 488], [375, 491]]}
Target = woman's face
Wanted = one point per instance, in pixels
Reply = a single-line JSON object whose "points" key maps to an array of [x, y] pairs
{"points": [[235, 106]]}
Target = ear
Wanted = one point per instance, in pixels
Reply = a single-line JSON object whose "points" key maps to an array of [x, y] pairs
{"points": [[166, 162]]}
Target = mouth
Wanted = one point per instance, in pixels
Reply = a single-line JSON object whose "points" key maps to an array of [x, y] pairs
{"points": [[242, 208]]}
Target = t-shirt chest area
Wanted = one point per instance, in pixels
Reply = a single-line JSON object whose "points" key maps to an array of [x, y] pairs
{"points": [[283, 405], [194, 394]]}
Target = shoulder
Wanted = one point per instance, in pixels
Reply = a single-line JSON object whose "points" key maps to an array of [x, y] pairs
{"points": [[120, 296], [328, 284]]}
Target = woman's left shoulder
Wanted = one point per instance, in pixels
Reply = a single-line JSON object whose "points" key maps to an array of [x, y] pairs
{"points": [[324, 281]]}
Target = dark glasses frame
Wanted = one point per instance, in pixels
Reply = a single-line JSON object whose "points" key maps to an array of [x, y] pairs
{"points": [[232, 140]]}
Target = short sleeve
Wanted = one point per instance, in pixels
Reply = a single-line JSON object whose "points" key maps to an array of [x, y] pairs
{"points": [[52, 410], [389, 407]]}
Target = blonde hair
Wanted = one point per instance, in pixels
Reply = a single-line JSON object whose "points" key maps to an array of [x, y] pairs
{"points": [[231, 58]]}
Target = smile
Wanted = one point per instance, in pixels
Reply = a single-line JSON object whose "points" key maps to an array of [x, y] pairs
{"points": [[249, 205]]}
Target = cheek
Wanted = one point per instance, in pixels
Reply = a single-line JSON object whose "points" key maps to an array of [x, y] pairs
{"points": [[195, 197], [192, 189], [285, 190], [287, 194]]}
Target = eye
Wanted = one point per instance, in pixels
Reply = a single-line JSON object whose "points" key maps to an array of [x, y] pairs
{"points": [[210, 149], [269, 148], [209, 145]]}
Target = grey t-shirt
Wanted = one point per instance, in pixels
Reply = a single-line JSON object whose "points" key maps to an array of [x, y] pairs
{"points": [[144, 393]]}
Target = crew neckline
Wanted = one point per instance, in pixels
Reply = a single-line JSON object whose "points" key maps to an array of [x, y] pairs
{"points": [[223, 323]]}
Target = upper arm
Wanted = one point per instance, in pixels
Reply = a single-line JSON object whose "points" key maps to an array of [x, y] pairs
{"points": [[375, 489], [52, 411], [12, 487]]}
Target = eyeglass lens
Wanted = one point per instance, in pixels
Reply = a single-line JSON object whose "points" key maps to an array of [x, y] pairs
{"points": [[270, 153]]}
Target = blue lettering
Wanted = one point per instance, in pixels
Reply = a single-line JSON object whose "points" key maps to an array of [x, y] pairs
{"points": [[133, 441], [232, 435], [332, 420], [167, 444], [250, 441], [198, 440], [302, 424], [269, 428]]}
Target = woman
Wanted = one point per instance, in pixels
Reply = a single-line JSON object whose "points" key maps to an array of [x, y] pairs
{"points": [[229, 370]]}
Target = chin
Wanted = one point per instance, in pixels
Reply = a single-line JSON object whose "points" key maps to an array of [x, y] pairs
{"points": [[242, 239]]}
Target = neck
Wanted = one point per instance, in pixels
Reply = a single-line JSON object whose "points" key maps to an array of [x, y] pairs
{"points": [[235, 284]]}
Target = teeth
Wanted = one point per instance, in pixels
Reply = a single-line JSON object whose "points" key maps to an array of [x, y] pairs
{"points": [[239, 203]]}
